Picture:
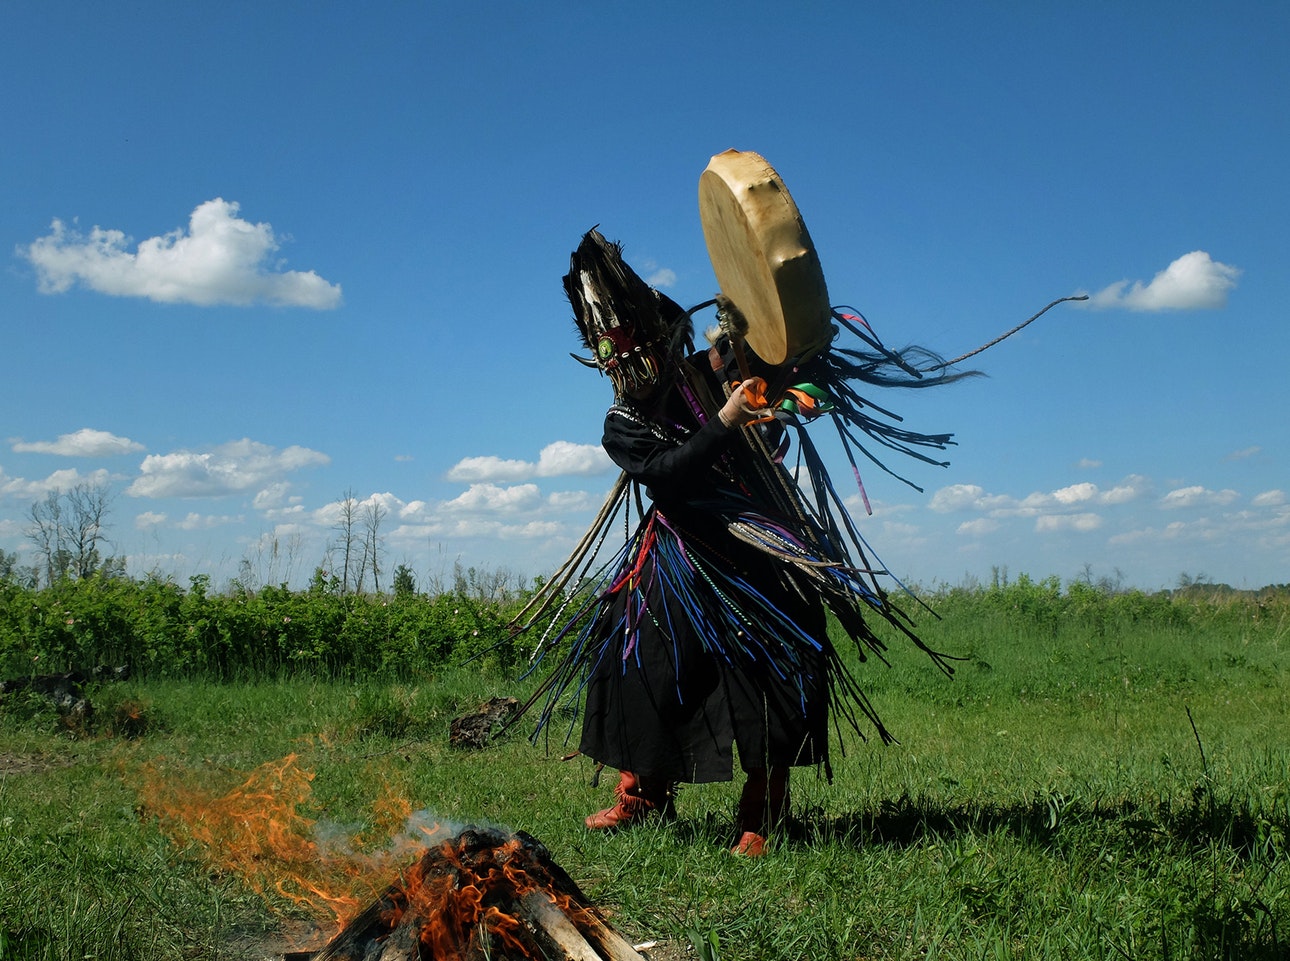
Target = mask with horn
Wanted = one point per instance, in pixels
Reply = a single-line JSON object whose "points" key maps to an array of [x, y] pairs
{"points": [[630, 328]]}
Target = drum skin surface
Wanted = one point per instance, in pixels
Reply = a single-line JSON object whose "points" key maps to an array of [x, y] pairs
{"points": [[763, 257]]}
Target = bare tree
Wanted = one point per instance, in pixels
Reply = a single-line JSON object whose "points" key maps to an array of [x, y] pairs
{"points": [[347, 531], [67, 529], [373, 548], [88, 506], [46, 532]]}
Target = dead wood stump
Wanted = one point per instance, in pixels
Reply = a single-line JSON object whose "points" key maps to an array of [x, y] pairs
{"points": [[475, 729]]}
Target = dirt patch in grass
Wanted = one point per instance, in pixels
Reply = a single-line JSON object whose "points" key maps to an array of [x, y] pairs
{"points": [[29, 763]]}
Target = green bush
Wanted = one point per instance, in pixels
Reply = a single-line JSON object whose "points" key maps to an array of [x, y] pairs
{"points": [[161, 630]]}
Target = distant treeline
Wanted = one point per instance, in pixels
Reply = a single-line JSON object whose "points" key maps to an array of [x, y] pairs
{"points": [[160, 629]]}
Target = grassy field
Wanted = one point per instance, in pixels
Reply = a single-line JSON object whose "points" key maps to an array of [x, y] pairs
{"points": [[1092, 784]]}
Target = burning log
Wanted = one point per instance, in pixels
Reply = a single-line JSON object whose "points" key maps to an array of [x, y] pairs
{"points": [[481, 894]]}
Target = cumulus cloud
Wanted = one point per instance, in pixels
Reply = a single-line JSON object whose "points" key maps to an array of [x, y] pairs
{"points": [[563, 459], [559, 459], [1197, 497], [663, 277], [272, 497], [1088, 463], [412, 509], [571, 501], [527, 530], [1122, 493], [59, 480], [85, 442], [490, 498], [489, 468], [978, 527], [219, 259], [1075, 494], [1263, 528], [972, 497], [1245, 452], [957, 497], [205, 522], [230, 468], [474, 527], [1192, 282], [1082, 523], [331, 515]]}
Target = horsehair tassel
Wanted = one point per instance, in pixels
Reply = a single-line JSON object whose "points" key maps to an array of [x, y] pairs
{"points": [[1005, 335]]}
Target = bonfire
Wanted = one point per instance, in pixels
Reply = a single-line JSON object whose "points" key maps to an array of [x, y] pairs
{"points": [[480, 894], [468, 894]]}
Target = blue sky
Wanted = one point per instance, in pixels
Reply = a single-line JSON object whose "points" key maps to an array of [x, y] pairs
{"points": [[257, 256]]}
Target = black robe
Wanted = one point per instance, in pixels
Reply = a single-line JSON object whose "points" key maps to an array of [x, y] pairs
{"points": [[681, 636]]}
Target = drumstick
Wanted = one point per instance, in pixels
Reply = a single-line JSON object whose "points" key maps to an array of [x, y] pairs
{"points": [[737, 345]]}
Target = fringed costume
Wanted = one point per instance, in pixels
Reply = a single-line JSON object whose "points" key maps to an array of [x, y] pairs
{"points": [[708, 630]]}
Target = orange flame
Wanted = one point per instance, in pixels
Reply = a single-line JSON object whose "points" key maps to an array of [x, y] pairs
{"points": [[461, 891], [258, 832]]}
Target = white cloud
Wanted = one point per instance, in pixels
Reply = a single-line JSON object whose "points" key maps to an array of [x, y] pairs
{"points": [[963, 497], [205, 522], [330, 514], [1197, 497], [1088, 463], [663, 277], [1192, 282], [528, 531], [273, 496], [1273, 498], [475, 527], [1245, 452], [220, 259], [230, 468], [957, 497], [564, 458], [1075, 494], [1131, 488], [1083, 523], [148, 520], [561, 458], [489, 468], [489, 498], [390, 503], [59, 480], [571, 501], [978, 527], [85, 442]]}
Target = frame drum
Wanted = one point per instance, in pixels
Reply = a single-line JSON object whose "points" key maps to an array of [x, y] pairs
{"points": [[763, 257]]}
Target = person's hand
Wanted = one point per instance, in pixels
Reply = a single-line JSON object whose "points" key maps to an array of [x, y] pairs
{"points": [[746, 403]]}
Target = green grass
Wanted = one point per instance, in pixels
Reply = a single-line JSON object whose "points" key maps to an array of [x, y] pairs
{"points": [[1087, 786]]}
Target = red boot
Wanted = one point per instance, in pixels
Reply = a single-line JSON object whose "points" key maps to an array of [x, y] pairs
{"points": [[638, 799], [763, 806]]}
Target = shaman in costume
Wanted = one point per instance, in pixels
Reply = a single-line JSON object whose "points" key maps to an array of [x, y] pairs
{"points": [[708, 630]]}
